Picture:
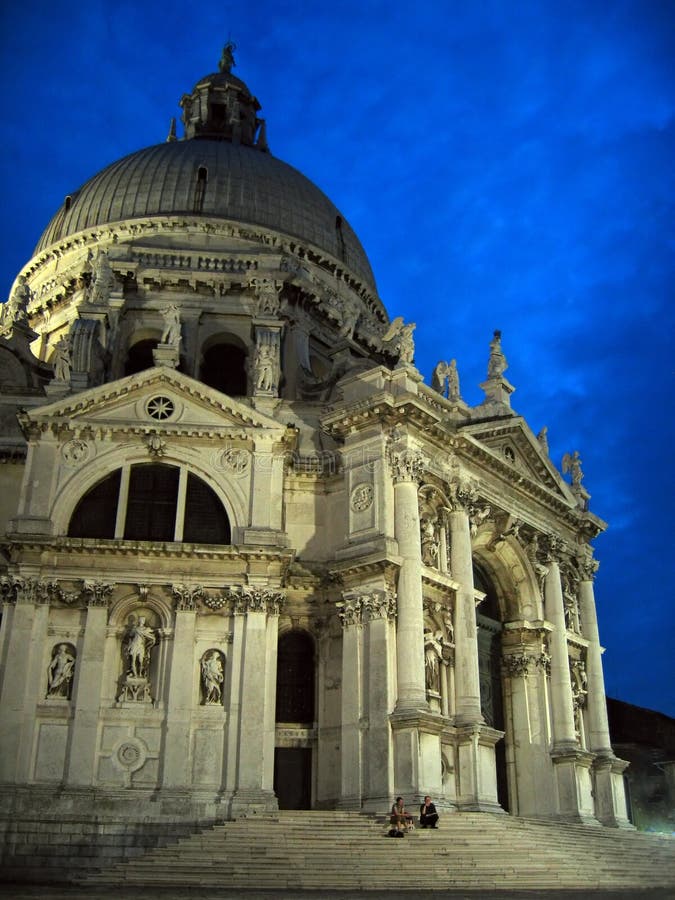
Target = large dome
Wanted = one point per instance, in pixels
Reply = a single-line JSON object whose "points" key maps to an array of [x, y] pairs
{"points": [[240, 183]]}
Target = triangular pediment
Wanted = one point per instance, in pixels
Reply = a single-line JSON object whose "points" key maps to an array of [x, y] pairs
{"points": [[157, 398], [513, 443]]}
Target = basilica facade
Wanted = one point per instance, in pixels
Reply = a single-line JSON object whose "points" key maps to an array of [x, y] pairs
{"points": [[251, 560]]}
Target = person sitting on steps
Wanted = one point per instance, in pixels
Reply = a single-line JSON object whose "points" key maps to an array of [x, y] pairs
{"points": [[428, 814], [399, 818]]}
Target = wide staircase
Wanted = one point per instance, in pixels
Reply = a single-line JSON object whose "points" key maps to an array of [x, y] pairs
{"points": [[349, 851]]}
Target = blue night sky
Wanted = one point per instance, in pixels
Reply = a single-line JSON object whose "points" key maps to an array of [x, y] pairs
{"points": [[506, 165]]}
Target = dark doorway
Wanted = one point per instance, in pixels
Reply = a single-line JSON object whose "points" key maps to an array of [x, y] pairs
{"points": [[293, 777], [139, 357]]}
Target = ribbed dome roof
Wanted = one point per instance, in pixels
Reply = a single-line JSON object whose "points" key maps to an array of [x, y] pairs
{"points": [[242, 184]]}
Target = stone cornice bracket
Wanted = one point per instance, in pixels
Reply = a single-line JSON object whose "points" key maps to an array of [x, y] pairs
{"points": [[406, 463], [246, 600], [97, 592], [186, 597]]}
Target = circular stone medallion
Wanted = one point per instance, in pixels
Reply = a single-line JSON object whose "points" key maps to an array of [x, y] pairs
{"points": [[362, 497]]}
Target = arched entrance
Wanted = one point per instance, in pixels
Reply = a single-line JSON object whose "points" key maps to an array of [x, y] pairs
{"points": [[488, 621], [295, 715]]}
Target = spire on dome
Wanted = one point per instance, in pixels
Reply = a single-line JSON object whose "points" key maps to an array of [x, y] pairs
{"points": [[221, 108]]}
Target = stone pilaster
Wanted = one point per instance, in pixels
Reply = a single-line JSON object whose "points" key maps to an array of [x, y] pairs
{"points": [[407, 466], [379, 611], [24, 681], [176, 768], [351, 767], [525, 665], [81, 765], [255, 768]]}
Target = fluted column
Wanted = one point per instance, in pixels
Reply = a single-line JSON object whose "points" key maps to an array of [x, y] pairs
{"points": [[407, 466], [564, 733], [467, 679]]}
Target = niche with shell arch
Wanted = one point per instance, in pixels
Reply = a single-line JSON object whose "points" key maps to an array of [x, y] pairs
{"points": [[212, 678]]}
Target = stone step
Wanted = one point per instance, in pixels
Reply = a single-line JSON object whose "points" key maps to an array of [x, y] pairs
{"points": [[342, 850]]}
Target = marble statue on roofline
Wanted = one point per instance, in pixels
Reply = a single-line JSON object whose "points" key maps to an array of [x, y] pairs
{"points": [[497, 364], [571, 465], [400, 338], [445, 380]]}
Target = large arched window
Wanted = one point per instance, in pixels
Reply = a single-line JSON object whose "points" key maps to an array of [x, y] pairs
{"points": [[295, 678], [224, 368], [151, 502]]}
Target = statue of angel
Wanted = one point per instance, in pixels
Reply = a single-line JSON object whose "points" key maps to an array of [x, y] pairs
{"points": [[571, 465], [400, 336]]}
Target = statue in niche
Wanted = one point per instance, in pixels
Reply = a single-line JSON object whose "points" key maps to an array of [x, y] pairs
{"points": [[400, 337], [571, 465], [266, 368], [430, 542], [171, 333], [102, 280], [138, 643], [60, 672], [497, 364], [433, 653], [449, 639], [62, 359], [212, 677]]}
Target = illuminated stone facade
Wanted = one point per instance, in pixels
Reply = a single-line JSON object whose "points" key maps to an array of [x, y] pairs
{"points": [[251, 559]]}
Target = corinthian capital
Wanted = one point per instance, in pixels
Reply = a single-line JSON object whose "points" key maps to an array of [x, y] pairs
{"points": [[406, 464], [379, 605], [257, 600], [588, 568], [350, 608], [186, 597], [97, 592]]}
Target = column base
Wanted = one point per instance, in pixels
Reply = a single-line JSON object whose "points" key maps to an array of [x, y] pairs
{"points": [[477, 768], [574, 795], [246, 803], [611, 808]]}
